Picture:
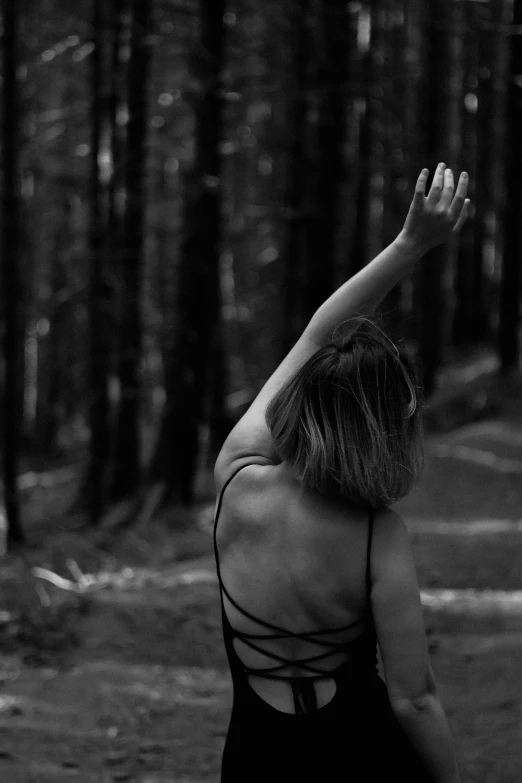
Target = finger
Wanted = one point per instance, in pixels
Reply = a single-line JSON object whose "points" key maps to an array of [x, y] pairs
{"points": [[437, 185], [460, 197], [449, 188], [463, 216], [420, 187]]}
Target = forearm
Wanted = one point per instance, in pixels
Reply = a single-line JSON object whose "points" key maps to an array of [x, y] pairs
{"points": [[365, 290], [428, 731]]}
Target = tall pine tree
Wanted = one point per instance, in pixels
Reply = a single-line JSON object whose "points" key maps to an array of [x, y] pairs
{"points": [[127, 456], [188, 356], [11, 278], [431, 299], [509, 338], [100, 299]]}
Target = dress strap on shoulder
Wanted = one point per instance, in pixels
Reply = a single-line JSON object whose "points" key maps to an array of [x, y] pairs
{"points": [[280, 632], [218, 509]]}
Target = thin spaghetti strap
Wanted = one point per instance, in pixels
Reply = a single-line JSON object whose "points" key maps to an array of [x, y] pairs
{"points": [[283, 632], [369, 556], [218, 509]]}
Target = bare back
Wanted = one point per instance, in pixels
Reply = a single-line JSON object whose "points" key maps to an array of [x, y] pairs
{"points": [[295, 559]]}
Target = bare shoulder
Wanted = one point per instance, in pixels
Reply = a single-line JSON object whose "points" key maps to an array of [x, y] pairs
{"points": [[248, 500], [250, 471]]}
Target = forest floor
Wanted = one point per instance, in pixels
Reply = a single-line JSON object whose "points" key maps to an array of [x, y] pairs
{"points": [[119, 673]]}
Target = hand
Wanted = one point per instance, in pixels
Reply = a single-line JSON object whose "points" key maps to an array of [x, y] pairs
{"points": [[433, 219]]}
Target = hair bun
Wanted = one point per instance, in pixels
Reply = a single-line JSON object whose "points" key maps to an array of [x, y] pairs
{"points": [[344, 344]]}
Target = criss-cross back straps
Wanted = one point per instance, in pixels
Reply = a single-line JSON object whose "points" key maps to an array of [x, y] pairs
{"points": [[301, 663], [282, 632]]}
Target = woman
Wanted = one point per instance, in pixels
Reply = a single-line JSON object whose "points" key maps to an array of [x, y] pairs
{"points": [[315, 569]]}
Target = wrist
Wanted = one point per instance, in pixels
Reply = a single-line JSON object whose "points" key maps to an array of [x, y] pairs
{"points": [[408, 248]]}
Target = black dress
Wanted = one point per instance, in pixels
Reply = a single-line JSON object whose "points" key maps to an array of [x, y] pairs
{"points": [[354, 738]]}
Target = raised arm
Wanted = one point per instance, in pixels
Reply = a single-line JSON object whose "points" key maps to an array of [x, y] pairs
{"points": [[431, 221]]}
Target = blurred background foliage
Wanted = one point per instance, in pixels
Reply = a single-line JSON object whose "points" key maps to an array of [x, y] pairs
{"points": [[186, 182]]}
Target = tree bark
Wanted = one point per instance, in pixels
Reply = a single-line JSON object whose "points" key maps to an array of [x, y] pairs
{"points": [[370, 115], [53, 380], [220, 422], [510, 288], [395, 204], [295, 248], [117, 105], [489, 19], [431, 300], [127, 468], [325, 160], [469, 275], [197, 303], [99, 291], [11, 283], [117, 99]]}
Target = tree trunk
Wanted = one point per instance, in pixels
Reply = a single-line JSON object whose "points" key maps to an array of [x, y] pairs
{"points": [[296, 249], [127, 467], [369, 128], [469, 275], [395, 205], [11, 282], [117, 105], [99, 292], [430, 278], [489, 21], [186, 363], [413, 131], [509, 337], [325, 160], [220, 422], [53, 382], [117, 99]]}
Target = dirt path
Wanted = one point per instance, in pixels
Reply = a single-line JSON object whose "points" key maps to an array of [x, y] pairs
{"points": [[146, 695], [124, 711]]}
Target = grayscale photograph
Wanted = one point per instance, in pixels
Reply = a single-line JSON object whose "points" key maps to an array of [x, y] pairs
{"points": [[260, 391]]}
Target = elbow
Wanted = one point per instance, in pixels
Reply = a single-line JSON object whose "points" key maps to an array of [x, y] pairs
{"points": [[418, 703], [410, 709], [405, 698], [412, 706]]}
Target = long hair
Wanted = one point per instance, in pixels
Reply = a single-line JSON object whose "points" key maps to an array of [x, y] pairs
{"points": [[349, 422]]}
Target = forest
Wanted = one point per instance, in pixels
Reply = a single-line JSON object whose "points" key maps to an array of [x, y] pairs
{"points": [[184, 182]]}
